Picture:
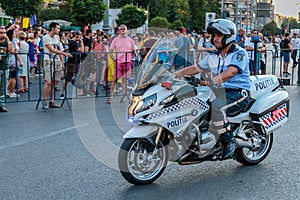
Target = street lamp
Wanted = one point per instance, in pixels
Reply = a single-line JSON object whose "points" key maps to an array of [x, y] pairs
{"points": [[106, 25], [236, 11], [222, 9]]}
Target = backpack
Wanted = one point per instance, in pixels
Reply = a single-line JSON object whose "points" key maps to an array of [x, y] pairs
{"points": [[195, 45], [283, 44], [204, 41]]}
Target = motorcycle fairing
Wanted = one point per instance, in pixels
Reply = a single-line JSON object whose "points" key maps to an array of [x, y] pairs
{"points": [[174, 117], [141, 131]]}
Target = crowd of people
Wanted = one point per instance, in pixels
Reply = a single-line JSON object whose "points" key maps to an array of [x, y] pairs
{"points": [[50, 51], [287, 45]]}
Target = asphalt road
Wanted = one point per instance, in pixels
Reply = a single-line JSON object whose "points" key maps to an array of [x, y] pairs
{"points": [[63, 154]]}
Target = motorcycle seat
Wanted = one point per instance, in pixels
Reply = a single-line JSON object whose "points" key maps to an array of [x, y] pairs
{"points": [[243, 109]]}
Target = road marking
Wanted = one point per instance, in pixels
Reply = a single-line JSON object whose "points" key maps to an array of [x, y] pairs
{"points": [[33, 139]]}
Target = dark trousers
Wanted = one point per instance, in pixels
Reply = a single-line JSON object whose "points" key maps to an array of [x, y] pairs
{"points": [[294, 57], [223, 98]]}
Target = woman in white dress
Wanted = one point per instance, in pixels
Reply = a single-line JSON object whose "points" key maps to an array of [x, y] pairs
{"points": [[23, 70]]}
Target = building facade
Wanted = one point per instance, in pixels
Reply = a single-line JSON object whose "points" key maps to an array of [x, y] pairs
{"points": [[249, 14]]}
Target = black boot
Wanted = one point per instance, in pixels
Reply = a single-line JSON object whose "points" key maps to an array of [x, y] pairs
{"points": [[2, 109], [229, 144], [228, 149]]}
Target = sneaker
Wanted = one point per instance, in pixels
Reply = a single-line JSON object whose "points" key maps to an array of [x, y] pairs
{"points": [[228, 149], [106, 87], [53, 105], [62, 97], [13, 95]]}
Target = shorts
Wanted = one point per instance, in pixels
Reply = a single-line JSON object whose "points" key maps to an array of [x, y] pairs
{"points": [[251, 66], [286, 56], [70, 71], [13, 72], [56, 74], [123, 70]]}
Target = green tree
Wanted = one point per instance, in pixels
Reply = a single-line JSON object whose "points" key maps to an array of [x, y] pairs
{"points": [[270, 29], [176, 24], [197, 16], [62, 13], [191, 13], [50, 14], [132, 16], [213, 6], [160, 22], [23, 8], [178, 10], [290, 23], [157, 8], [91, 11]]}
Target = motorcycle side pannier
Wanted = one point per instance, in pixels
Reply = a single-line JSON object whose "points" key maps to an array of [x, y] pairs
{"points": [[272, 110]]}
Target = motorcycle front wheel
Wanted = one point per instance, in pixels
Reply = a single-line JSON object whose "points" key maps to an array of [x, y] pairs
{"points": [[248, 156], [140, 163]]}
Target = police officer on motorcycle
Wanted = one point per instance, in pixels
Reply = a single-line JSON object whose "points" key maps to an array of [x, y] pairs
{"points": [[230, 81]]}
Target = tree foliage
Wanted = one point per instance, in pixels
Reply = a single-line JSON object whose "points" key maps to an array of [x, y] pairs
{"points": [[50, 14], [191, 13], [176, 24], [178, 10], [290, 23], [132, 16], [159, 22], [213, 6], [91, 11], [197, 17], [23, 8], [270, 29]]}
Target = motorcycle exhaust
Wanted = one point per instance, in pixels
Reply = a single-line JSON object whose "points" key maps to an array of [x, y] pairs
{"points": [[244, 144], [186, 159]]}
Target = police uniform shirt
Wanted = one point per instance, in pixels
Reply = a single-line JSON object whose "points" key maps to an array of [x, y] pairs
{"points": [[236, 57]]}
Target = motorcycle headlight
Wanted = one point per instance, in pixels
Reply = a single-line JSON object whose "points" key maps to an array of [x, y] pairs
{"points": [[146, 103], [167, 100]]}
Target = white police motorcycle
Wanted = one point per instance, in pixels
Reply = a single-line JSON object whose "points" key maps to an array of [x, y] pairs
{"points": [[172, 118]]}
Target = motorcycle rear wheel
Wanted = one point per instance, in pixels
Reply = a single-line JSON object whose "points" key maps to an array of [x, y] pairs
{"points": [[247, 156], [140, 163]]}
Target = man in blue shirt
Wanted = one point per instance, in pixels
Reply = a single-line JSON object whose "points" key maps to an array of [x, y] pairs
{"points": [[240, 38], [230, 73]]}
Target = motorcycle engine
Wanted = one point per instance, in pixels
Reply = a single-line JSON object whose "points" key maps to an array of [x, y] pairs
{"points": [[189, 135]]}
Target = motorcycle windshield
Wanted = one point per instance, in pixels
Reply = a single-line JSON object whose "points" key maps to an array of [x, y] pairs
{"points": [[160, 61]]}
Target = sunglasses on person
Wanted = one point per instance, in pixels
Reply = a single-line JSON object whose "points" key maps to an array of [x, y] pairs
{"points": [[122, 29]]}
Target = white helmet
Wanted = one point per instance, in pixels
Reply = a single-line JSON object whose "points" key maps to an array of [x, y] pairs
{"points": [[224, 27]]}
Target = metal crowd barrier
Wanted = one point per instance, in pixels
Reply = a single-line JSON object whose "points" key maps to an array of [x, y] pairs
{"points": [[96, 71]]}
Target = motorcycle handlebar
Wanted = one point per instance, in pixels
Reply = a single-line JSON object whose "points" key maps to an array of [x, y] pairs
{"points": [[192, 80]]}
